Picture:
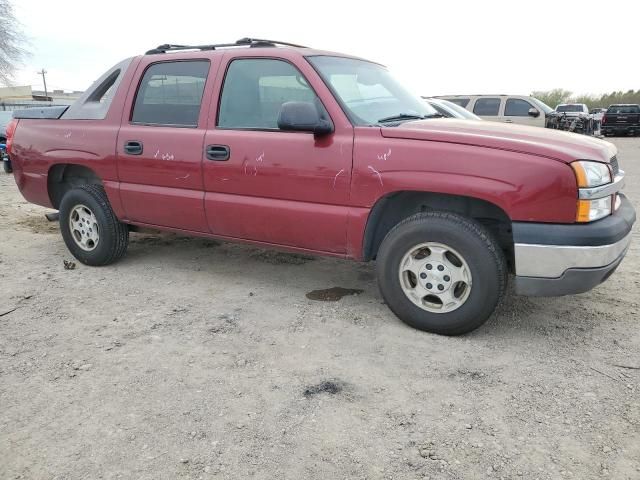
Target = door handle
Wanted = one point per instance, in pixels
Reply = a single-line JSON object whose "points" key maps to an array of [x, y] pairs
{"points": [[133, 147], [218, 153], [508, 121]]}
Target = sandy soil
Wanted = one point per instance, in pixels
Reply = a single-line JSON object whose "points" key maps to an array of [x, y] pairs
{"points": [[195, 359]]}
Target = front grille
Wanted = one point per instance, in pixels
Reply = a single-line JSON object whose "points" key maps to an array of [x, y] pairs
{"points": [[614, 165]]}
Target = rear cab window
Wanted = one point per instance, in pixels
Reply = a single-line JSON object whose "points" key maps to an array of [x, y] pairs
{"points": [[570, 108], [488, 107], [624, 109], [170, 94]]}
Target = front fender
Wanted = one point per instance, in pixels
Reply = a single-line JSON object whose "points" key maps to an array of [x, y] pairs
{"points": [[527, 187]]}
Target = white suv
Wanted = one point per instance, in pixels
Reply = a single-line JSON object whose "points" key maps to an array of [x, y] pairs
{"points": [[505, 108]]}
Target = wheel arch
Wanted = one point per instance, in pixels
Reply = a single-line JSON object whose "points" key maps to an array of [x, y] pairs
{"points": [[394, 207], [62, 177]]}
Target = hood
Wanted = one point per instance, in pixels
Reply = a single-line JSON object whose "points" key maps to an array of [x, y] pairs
{"points": [[562, 146]]}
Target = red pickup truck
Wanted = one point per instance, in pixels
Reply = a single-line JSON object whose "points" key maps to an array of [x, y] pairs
{"points": [[311, 151]]}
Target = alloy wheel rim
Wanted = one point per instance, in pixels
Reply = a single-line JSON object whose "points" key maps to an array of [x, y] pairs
{"points": [[435, 277], [84, 228]]}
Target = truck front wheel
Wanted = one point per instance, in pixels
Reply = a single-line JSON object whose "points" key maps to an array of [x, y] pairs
{"points": [[441, 272], [90, 228]]}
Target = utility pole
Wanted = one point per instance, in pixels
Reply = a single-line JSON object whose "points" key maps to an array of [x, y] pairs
{"points": [[43, 72]]}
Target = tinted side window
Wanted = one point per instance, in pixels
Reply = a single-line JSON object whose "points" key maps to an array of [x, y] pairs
{"points": [[487, 106], [517, 108], [463, 102], [170, 93], [255, 89]]}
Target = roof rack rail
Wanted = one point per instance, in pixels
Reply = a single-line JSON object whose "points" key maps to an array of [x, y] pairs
{"points": [[243, 42]]}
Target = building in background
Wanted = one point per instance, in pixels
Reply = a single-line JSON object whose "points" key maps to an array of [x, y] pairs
{"points": [[12, 98]]}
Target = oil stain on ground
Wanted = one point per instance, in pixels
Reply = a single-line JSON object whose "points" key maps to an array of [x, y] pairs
{"points": [[332, 294], [328, 386]]}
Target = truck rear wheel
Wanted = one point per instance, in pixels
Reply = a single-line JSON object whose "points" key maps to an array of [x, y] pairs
{"points": [[441, 272], [90, 228]]}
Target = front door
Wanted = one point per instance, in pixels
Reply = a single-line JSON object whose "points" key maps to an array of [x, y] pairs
{"points": [[160, 146], [516, 110], [268, 185]]}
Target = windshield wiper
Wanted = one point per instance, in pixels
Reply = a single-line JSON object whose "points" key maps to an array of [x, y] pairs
{"points": [[402, 116]]}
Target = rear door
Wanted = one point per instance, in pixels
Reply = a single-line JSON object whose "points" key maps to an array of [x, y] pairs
{"points": [[516, 110], [160, 144], [488, 108], [273, 186]]}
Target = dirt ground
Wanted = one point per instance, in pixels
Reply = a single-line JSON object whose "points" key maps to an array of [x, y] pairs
{"points": [[195, 359]]}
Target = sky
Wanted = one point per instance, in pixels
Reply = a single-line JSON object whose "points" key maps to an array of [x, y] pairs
{"points": [[434, 47]]}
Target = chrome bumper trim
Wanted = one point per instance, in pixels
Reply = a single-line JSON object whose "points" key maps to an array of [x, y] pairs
{"points": [[551, 261], [603, 190]]}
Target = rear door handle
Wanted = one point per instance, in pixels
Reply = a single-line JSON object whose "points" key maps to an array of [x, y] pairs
{"points": [[508, 121], [218, 153], [133, 147]]}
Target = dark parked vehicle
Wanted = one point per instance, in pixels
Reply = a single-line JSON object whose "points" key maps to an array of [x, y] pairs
{"points": [[317, 152], [622, 119]]}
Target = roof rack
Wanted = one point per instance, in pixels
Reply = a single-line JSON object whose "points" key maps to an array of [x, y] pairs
{"points": [[243, 42]]}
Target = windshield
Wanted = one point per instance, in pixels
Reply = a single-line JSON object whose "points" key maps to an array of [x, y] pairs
{"points": [[463, 112], [368, 93], [541, 105], [569, 108]]}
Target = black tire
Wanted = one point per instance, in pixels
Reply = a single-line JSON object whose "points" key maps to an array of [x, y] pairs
{"points": [[478, 247], [113, 235], [6, 166]]}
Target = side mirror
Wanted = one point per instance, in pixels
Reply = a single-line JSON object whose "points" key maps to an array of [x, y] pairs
{"points": [[534, 112], [303, 117]]}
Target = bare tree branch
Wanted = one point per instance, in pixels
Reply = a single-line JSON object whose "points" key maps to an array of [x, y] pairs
{"points": [[12, 42]]}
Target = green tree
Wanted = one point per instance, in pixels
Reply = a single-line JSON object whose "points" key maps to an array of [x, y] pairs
{"points": [[553, 97], [559, 95], [589, 100], [12, 41]]}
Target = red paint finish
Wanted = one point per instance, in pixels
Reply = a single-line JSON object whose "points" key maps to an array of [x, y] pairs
{"points": [[295, 190], [511, 180]]}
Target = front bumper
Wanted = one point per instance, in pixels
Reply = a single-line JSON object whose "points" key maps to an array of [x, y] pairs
{"points": [[552, 260]]}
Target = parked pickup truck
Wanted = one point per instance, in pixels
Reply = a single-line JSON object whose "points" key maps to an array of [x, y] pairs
{"points": [[623, 119], [310, 151]]}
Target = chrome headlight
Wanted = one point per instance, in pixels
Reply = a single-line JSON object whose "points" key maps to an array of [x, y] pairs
{"points": [[591, 174]]}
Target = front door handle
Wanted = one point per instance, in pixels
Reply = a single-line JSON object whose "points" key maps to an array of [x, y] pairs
{"points": [[508, 121], [133, 147], [219, 153]]}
